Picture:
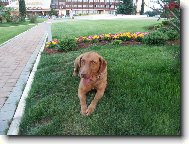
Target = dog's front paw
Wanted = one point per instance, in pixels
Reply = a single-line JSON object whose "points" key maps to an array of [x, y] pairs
{"points": [[83, 110], [74, 74], [90, 110]]}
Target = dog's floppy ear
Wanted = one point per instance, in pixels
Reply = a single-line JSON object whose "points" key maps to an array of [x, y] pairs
{"points": [[77, 65], [103, 65]]}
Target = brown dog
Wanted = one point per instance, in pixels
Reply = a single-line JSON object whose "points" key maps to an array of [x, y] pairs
{"points": [[92, 69]]}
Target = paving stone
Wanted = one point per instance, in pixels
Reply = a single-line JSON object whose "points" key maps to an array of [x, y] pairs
{"points": [[2, 101], [4, 94]]}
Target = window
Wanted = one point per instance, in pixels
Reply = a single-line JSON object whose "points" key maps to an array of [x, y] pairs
{"points": [[54, 1]]}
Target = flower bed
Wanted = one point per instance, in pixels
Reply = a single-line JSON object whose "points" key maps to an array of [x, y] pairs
{"points": [[127, 36], [86, 41]]}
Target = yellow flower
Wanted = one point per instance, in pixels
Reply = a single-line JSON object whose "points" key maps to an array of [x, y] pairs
{"points": [[106, 35], [141, 35], [53, 42], [95, 37], [48, 43], [134, 35], [115, 36], [120, 34]]}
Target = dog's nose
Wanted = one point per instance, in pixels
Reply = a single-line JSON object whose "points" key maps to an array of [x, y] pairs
{"points": [[83, 75]]}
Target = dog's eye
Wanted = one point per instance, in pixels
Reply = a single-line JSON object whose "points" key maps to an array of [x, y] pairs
{"points": [[82, 62], [93, 62]]}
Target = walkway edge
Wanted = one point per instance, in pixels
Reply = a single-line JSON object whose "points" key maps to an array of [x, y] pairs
{"points": [[18, 35], [14, 126]]}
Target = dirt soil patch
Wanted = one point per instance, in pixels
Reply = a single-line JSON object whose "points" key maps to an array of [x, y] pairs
{"points": [[86, 45]]}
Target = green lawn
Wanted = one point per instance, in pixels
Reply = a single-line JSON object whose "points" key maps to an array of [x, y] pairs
{"points": [[78, 28], [142, 96], [9, 30]]}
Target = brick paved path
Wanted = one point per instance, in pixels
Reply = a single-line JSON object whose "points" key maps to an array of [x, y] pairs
{"points": [[14, 57]]}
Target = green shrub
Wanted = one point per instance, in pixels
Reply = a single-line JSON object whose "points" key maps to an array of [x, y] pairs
{"points": [[155, 38], [165, 23], [172, 34], [32, 18], [157, 26], [139, 39], [15, 19], [116, 42], [125, 38], [67, 44], [163, 29]]}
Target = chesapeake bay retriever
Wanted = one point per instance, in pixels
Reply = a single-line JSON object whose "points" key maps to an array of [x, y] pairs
{"points": [[92, 69]]}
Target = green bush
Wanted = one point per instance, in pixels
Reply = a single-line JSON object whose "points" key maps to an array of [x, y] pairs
{"points": [[172, 34], [67, 44], [15, 19], [125, 38], [139, 39], [155, 38], [116, 42], [151, 13], [163, 29], [165, 23], [33, 18]]}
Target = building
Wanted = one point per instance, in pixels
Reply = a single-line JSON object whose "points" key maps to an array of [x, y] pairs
{"points": [[63, 7], [85, 6], [40, 7], [4, 2]]}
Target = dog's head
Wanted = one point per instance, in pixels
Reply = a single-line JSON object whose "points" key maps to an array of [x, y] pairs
{"points": [[91, 64]]}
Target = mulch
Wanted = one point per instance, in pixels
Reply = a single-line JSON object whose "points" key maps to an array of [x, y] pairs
{"points": [[86, 45]]}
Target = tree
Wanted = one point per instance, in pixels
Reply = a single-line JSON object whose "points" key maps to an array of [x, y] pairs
{"points": [[142, 8], [22, 9], [53, 12], [126, 7]]}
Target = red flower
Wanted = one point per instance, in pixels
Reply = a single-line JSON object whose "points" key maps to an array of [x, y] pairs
{"points": [[173, 5]]}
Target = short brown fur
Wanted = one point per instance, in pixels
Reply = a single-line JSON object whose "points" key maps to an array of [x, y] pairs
{"points": [[92, 68]]}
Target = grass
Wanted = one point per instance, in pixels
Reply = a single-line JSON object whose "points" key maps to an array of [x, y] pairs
{"points": [[9, 30], [78, 28], [142, 97]]}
